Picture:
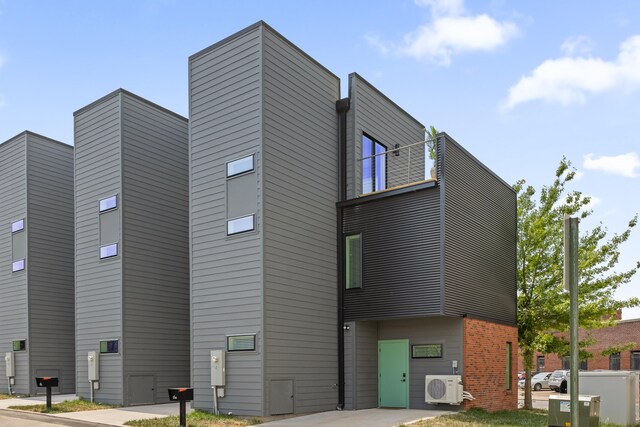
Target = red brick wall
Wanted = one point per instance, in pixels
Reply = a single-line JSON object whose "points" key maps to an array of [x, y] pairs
{"points": [[623, 332], [485, 362]]}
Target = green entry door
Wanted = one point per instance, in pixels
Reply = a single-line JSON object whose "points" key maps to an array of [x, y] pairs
{"points": [[393, 373]]}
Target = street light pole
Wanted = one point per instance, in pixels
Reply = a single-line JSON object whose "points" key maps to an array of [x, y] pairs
{"points": [[571, 284]]}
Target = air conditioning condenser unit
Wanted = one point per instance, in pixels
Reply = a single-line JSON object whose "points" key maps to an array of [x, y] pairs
{"points": [[443, 389]]}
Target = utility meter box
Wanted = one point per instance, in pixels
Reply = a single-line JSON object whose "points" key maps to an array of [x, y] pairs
{"points": [[10, 366], [217, 368], [560, 410], [93, 360]]}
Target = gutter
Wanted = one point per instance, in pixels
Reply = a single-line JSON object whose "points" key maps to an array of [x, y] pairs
{"points": [[342, 106]]}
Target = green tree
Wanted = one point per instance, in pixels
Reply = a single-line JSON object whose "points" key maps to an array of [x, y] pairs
{"points": [[543, 305]]}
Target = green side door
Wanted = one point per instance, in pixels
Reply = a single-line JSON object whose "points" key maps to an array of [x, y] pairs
{"points": [[393, 374]]}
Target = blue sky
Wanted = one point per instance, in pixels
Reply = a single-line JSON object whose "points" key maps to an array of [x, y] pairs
{"points": [[519, 84]]}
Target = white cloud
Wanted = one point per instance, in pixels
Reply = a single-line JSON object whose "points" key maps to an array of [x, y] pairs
{"points": [[578, 176], [593, 202], [623, 164], [568, 80], [450, 32], [577, 44]]}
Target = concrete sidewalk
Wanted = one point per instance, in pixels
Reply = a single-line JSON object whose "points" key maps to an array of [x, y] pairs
{"points": [[361, 418]]}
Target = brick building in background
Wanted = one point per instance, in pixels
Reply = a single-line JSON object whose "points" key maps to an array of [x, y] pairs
{"points": [[624, 332]]}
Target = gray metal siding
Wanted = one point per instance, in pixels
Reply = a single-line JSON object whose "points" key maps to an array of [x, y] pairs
{"points": [[98, 282], [401, 256], [51, 287], [366, 387], [480, 239], [432, 330], [371, 112], [13, 286], [225, 94], [349, 365], [155, 247], [300, 190]]}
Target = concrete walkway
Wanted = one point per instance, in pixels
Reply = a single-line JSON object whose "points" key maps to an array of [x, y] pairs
{"points": [[361, 418]]}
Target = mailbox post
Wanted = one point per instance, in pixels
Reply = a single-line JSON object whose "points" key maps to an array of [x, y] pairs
{"points": [[47, 382], [182, 395]]}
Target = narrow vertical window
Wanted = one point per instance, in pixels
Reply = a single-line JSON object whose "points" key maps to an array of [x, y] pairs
{"points": [[508, 366], [635, 360], [540, 364], [566, 362], [614, 361], [353, 261], [108, 203], [584, 365], [374, 165], [17, 226]]}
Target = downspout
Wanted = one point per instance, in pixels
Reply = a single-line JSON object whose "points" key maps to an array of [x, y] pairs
{"points": [[342, 106]]}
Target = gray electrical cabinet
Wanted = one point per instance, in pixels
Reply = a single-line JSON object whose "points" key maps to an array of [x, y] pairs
{"points": [[618, 392], [37, 268], [560, 410]]}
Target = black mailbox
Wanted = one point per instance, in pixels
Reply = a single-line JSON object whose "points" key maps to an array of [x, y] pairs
{"points": [[47, 382], [181, 394]]}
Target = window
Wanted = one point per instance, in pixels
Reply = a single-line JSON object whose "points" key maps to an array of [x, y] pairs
{"points": [[241, 343], [109, 251], [17, 265], [374, 165], [240, 225], [17, 226], [108, 203], [508, 366], [426, 351], [584, 366], [109, 346], [353, 261], [540, 364], [19, 345], [566, 362], [614, 361], [236, 167], [635, 360]]}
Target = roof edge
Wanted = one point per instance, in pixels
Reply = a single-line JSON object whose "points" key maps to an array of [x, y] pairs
{"points": [[27, 133]]}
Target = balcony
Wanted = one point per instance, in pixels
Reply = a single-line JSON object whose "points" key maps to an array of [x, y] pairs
{"points": [[384, 170]]}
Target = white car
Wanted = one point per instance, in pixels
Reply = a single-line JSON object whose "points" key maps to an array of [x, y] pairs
{"points": [[538, 381]]}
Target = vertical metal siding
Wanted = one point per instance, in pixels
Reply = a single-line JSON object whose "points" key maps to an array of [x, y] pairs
{"points": [[431, 330], [401, 256], [13, 286], [225, 113], [366, 365], [480, 239], [300, 190], [98, 282], [51, 259], [155, 247], [350, 365], [373, 113]]}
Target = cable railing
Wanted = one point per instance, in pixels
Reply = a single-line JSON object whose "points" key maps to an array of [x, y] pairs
{"points": [[397, 167]]}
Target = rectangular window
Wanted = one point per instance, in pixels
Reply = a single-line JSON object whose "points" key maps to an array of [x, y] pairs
{"points": [[109, 346], [17, 226], [584, 366], [374, 165], [109, 251], [19, 345], [241, 343], [566, 362], [236, 167], [240, 225], [17, 265], [635, 360], [353, 261], [614, 361], [108, 203], [540, 364], [426, 351], [508, 366]]}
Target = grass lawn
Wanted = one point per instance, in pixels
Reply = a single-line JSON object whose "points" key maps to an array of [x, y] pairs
{"points": [[66, 406], [480, 418], [197, 419], [6, 396]]}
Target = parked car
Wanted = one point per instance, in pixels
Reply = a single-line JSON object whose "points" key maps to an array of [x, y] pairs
{"points": [[538, 381], [558, 380]]}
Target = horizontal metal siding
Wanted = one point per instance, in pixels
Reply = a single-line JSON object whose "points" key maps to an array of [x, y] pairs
{"points": [[401, 253], [432, 330], [373, 113], [13, 286], [300, 191], [51, 260], [155, 205], [480, 240], [98, 282], [225, 111]]}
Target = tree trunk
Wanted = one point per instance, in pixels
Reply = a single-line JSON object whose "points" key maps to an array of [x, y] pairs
{"points": [[527, 357]]}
